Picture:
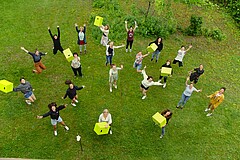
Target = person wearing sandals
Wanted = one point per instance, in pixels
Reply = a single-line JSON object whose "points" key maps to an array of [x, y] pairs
{"points": [[168, 115], [81, 37], [187, 94], [26, 88], [72, 93], [76, 65], [106, 117], [130, 35], [55, 116], [215, 100]]}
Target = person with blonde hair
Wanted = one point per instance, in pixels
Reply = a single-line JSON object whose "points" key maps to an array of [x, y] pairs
{"points": [[138, 61], [105, 30], [215, 99], [110, 52], [113, 76], [106, 117], [81, 37]]}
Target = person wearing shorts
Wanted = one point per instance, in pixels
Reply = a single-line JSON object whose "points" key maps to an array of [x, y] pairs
{"points": [[180, 55], [26, 88], [113, 76], [55, 117], [146, 83], [215, 99], [138, 61]]}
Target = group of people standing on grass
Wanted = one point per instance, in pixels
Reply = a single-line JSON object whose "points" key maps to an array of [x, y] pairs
{"points": [[26, 88]]}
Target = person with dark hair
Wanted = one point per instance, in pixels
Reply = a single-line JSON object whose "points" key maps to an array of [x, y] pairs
{"points": [[187, 93], [146, 83], [130, 34], [138, 61], [168, 65], [215, 99], [181, 54], [168, 115], [76, 65], [81, 37], [55, 117], [72, 93], [105, 30], [157, 52], [196, 73], [26, 88], [106, 117], [110, 52], [56, 41], [113, 76], [37, 56]]}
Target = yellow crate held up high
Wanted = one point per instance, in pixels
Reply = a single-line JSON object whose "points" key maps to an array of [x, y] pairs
{"points": [[68, 54], [6, 86], [100, 128], [98, 21]]}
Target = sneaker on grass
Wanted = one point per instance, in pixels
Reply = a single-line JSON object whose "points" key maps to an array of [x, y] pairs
{"points": [[73, 104], [115, 86], [66, 127], [110, 89], [144, 97], [207, 109], [76, 100], [55, 133], [164, 85], [110, 132], [161, 136], [209, 114], [29, 103]]}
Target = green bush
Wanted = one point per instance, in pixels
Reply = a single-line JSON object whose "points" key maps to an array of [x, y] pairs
{"points": [[195, 28], [214, 34]]}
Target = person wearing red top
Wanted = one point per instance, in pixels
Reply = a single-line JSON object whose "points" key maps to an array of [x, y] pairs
{"points": [[130, 34]]}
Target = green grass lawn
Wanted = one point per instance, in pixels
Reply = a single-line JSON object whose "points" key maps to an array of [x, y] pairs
{"points": [[189, 135]]}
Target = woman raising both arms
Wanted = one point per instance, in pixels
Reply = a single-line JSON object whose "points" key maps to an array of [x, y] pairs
{"points": [[130, 34]]}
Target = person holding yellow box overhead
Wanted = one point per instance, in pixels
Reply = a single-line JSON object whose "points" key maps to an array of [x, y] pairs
{"points": [[168, 115], [168, 65], [215, 99], [105, 30], [157, 52], [106, 117]]}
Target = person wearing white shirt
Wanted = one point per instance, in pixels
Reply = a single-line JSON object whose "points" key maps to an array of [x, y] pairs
{"points": [[187, 94], [181, 54], [113, 76], [104, 39], [106, 117], [147, 82], [110, 52]]}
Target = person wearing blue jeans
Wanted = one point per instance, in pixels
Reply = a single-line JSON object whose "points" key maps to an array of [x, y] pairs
{"points": [[157, 52], [167, 114], [187, 94], [110, 52]]}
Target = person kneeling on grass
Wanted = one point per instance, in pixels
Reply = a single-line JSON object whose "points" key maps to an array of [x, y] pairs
{"points": [[167, 114], [72, 93], [26, 88], [37, 56], [147, 82], [168, 65], [215, 99], [113, 76], [55, 117], [187, 93], [106, 117]]}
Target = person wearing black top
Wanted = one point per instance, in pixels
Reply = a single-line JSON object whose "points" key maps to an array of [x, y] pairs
{"points": [[168, 65], [157, 52], [56, 41], [168, 115], [37, 56], [72, 93], [55, 117], [196, 73]]}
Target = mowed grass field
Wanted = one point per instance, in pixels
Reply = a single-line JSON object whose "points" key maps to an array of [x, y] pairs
{"points": [[189, 135]]}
